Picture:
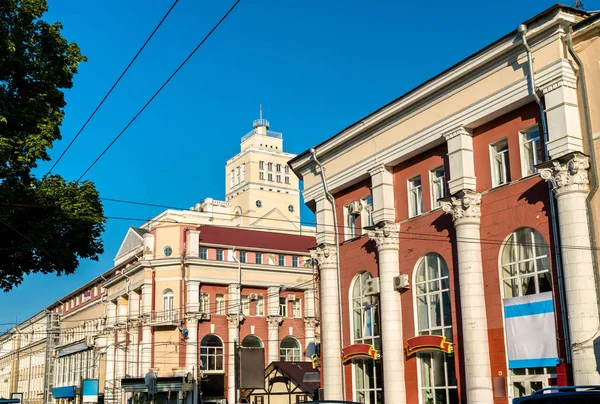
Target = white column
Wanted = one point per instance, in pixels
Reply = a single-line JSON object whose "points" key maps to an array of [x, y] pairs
{"points": [[310, 326], [121, 346], [387, 241], [109, 387], [460, 160], [132, 350], [193, 297], [465, 210], [234, 335], [146, 313], [191, 353], [331, 359], [569, 178], [193, 243], [562, 115], [148, 246], [273, 323]]}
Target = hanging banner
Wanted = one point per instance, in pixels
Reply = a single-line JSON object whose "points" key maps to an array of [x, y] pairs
{"points": [[359, 351], [427, 343], [89, 391], [530, 331]]}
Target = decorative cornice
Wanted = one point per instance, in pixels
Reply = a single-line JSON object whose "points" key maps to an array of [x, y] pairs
{"points": [[234, 320], [378, 169], [385, 235], [567, 174], [464, 206], [324, 254], [460, 131], [562, 82], [274, 321], [311, 322]]}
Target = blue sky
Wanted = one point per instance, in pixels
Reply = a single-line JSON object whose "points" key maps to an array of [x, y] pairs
{"points": [[316, 66]]}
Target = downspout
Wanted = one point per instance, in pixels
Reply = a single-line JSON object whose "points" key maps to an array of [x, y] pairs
{"points": [[522, 30], [337, 261], [593, 166], [237, 392]]}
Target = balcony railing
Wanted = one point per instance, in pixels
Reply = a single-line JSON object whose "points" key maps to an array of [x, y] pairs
{"points": [[165, 317], [270, 133]]}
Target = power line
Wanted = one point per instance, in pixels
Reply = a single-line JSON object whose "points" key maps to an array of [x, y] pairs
{"points": [[113, 86], [158, 91]]}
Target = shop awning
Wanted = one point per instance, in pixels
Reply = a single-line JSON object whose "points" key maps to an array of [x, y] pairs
{"points": [[179, 383], [63, 392]]}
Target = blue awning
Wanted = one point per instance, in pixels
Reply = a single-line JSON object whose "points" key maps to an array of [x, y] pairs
{"points": [[63, 392]]}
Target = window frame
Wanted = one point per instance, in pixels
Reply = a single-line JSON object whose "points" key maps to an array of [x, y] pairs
{"points": [[297, 308], [203, 254], [366, 218], [350, 223], [496, 180], [258, 258], [168, 304], [295, 261], [220, 304], [259, 309], [523, 153], [209, 351], [245, 304], [220, 254], [290, 354], [416, 191], [438, 186], [243, 257], [283, 309], [281, 260]]}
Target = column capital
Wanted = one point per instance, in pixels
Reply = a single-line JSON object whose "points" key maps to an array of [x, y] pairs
{"points": [[378, 169], [464, 206], [233, 320], [311, 322], [274, 321], [568, 173], [458, 131], [324, 254], [385, 234], [561, 82]]}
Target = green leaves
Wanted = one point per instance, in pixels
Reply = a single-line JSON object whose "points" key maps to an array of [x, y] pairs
{"points": [[46, 225]]}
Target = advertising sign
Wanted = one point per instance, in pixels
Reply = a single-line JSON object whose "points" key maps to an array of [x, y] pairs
{"points": [[89, 391]]}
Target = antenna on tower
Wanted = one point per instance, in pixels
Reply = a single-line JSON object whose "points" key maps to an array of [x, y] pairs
{"points": [[578, 4], [260, 111]]}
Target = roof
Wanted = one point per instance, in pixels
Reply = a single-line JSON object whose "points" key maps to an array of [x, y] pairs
{"points": [[242, 238], [295, 371], [139, 231], [512, 33]]}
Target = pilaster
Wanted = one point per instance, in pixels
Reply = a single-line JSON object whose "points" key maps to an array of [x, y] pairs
{"points": [[193, 243], [460, 159], [382, 191], [324, 217], [273, 323]]}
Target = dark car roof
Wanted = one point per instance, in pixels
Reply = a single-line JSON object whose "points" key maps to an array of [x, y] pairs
{"points": [[562, 395]]}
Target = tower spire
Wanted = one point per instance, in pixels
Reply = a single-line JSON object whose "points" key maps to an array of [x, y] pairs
{"points": [[260, 116]]}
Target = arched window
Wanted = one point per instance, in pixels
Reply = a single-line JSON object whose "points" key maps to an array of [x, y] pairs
{"points": [[168, 305], [211, 353], [289, 350], [437, 374], [525, 270], [252, 341], [525, 264], [365, 330]]}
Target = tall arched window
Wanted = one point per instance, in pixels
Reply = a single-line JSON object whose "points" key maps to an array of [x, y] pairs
{"points": [[252, 341], [211, 353], [525, 270], [289, 350], [168, 305], [525, 264], [365, 330], [437, 374]]}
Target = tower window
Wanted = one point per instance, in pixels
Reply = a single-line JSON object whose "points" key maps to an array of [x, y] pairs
{"points": [[258, 203], [270, 166], [278, 168], [291, 208]]}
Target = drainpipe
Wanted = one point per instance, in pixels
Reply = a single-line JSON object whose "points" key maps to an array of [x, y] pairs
{"points": [[337, 261], [522, 30], [593, 166], [237, 392]]}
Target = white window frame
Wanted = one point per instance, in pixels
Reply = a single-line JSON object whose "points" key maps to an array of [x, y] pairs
{"points": [[220, 304], [220, 254], [231, 179], [438, 186], [260, 306], [204, 302], [500, 178], [243, 257], [524, 157], [281, 260], [297, 308], [290, 354], [243, 173], [287, 179], [258, 258], [245, 301], [203, 253], [295, 261], [415, 197], [214, 352], [350, 223], [283, 309], [366, 217], [168, 305]]}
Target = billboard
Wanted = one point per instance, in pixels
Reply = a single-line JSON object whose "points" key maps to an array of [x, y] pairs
{"points": [[89, 391]]}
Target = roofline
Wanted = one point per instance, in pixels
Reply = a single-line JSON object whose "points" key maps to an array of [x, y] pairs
{"points": [[556, 7], [586, 22]]}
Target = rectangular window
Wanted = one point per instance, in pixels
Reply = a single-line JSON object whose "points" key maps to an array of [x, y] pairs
{"points": [[296, 309], [295, 262], [531, 150], [77, 301], [237, 175], [278, 168], [259, 400], [367, 212], [261, 175], [258, 258], [204, 303], [219, 254], [283, 307], [287, 169], [415, 197], [350, 222], [245, 305], [270, 177], [260, 306], [287, 179], [301, 398], [204, 253], [220, 304], [500, 163], [261, 165], [242, 256], [243, 173], [270, 167], [282, 260], [231, 177], [278, 177], [438, 186]]}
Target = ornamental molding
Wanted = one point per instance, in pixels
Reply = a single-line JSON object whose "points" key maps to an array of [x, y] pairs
{"points": [[463, 206], [562, 82], [385, 234], [460, 131], [568, 173], [311, 322], [274, 321], [234, 320], [378, 169], [324, 254]]}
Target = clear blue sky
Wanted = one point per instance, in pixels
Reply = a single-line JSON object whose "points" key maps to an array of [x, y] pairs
{"points": [[316, 66]]}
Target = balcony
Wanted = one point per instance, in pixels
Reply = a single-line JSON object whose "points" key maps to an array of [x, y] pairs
{"points": [[164, 318]]}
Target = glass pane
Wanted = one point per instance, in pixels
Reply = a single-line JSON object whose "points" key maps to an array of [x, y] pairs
{"points": [[524, 242], [509, 270], [433, 270], [434, 286], [435, 310], [360, 396], [447, 309], [544, 282], [453, 396], [526, 268], [359, 375], [445, 283], [451, 370], [543, 264], [420, 271], [449, 334], [510, 288], [425, 360], [422, 312], [440, 396], [528, 286], [421, 288], [427, 396], [439, 371], [535, 386]]}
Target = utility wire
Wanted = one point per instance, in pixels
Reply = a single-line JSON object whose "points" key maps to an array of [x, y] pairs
{"points": [[113, 86], [158, 91]]}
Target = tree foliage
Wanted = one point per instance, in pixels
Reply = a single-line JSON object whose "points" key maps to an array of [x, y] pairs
{"points": [[47, 224]]}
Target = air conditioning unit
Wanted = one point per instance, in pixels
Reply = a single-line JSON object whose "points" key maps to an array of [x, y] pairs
{"points": [[291, 298], [354, 208], [401, 283], [372, 287], [253, 296]]}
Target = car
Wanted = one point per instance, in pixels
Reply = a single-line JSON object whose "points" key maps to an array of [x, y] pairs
{"points": [[562, 395]]}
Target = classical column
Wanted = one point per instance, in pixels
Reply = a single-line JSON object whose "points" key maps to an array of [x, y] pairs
{"points": [[569, 178], [464, 207], [310, 327], [273, 323], [146, 350], [121, 343], [331, 361], [385, 235], [234, 335], [191, 353], [111, 320], [193, 297], [133, 348]]}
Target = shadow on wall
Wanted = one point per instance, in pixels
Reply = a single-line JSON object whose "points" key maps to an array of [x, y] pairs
{"points": [[597, 353], [537, 193]]}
